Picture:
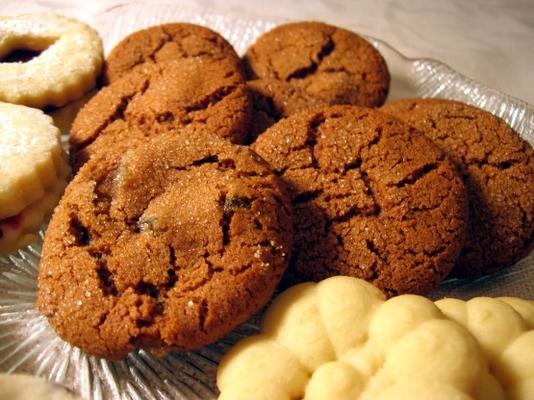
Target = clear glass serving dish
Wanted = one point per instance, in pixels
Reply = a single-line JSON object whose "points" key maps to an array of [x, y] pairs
{"points": [[28, 344]]}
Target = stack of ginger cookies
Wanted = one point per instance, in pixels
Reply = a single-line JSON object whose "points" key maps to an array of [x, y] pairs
{"points": [[203, 181]]}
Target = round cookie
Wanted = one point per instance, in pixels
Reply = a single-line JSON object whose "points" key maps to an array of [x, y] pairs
{"points": [[169, 247], [33, 171], [22, 229], [497, 167], [31, 157], [200, 93], [330, 62], [273, 100], [371, 197], [167, 42], [69, 62]]}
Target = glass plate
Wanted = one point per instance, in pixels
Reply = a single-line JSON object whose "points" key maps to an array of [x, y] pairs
{"points": [[28, 344]]}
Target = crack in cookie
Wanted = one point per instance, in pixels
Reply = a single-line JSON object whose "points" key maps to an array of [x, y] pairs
{"points": [[167, 42], [372, 198], [202, 94], [194, 236], [330, 63], [497, 167]]}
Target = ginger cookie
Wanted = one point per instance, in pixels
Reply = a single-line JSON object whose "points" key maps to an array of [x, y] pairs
{"points": [[497, 167], [169, 247], [330, 62], [167, 42], [119, 137], [203, 94], [372, 198], [273, 100]]}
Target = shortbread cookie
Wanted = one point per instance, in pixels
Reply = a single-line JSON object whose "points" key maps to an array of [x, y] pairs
{"points": [[27, 387], [203, 94], [169, 247], [33, 172], [330, 62], [21, 229], [31, 157], [497, 167], [167, 42], [273, 100], [372, 198], [340, 339], [69, 62]]}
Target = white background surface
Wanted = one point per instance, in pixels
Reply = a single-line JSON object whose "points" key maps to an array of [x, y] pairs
{"points": [[491, 41]]}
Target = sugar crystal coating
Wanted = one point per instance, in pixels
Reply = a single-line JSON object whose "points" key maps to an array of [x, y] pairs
{"points": [[168, 247]]}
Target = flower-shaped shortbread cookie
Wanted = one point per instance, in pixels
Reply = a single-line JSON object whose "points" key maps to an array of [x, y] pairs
{"points": [[340, 339]]}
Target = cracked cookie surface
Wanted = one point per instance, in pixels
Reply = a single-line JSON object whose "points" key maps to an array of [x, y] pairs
{"points": [[273, 100], [372, 198], [330, 62], [497, 167], [167, 42], [169, 247], [199, 93]]}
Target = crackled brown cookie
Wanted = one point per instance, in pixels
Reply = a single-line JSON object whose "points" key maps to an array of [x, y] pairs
{"points": [[167, 42], [372, 198], [273, 100], [168, 247], [497, 167], [330, 62], [203, 94]]}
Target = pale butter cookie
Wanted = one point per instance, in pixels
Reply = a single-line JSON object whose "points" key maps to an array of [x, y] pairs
{"points": [[69, 62], [33, 170], [21, 229], [340, 339]]}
